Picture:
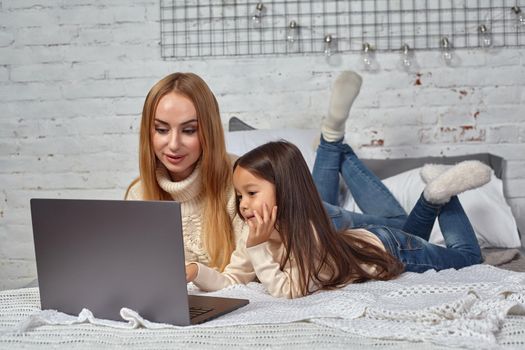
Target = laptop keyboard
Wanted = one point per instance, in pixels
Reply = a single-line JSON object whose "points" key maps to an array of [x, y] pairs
{"points": [[197, 311]]}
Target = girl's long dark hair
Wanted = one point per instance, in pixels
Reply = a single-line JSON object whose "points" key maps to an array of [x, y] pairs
{"points": [[305, 228]]}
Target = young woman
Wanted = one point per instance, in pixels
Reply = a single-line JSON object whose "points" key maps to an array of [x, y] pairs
{"points": [[293, 249], [181, 139]]}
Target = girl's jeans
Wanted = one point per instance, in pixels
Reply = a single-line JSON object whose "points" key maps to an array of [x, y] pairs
{"points": [[414, 250], [405, 238], [373, 198]]}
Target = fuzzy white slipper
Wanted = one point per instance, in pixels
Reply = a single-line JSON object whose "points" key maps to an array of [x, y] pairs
{"points": [[430, 172], [461, 177]]}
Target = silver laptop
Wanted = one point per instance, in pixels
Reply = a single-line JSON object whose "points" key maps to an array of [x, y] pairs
{"points": [[107, 254]]}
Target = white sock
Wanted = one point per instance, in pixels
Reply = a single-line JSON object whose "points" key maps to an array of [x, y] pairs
{"points": [[461, 177], [345, 89]]}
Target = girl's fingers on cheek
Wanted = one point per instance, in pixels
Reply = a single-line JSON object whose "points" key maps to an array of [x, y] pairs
{"points": [[265, 211], [258, 217]]}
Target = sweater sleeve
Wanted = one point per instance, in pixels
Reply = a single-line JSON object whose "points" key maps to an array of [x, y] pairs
{"points": [[238, 271], [279, 283], [246, 263]]}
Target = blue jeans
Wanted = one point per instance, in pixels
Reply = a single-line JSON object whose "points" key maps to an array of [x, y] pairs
{"points": [[377, 203], [410, 245]]}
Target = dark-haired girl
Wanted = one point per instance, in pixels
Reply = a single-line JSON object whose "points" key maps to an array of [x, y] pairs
{"points": [[292, 246], [293, 249]]}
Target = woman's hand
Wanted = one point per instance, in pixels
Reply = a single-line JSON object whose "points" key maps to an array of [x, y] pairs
{"points": [[191, 272], [261, 227]]}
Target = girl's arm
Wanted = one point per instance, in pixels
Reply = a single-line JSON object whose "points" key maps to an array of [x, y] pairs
{"points": [[245, 264], [266, 254], [238, 271], [255, 255], [279, 283]]}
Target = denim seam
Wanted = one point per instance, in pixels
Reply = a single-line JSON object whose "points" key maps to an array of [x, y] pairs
{"points": [[382, 189], [409, 238]]}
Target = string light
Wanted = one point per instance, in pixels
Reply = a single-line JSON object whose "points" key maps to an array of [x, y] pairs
{"points": [[406, 56], [368, 54], [485, 38], [292, 34], [329, 46], [258, 14], [520, 19], [446, 50]]}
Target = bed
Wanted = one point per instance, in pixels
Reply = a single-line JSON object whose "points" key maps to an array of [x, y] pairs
{"points": [[477, 307]]}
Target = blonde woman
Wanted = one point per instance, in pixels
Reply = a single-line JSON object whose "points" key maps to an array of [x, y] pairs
{"points": [[182, 157]]}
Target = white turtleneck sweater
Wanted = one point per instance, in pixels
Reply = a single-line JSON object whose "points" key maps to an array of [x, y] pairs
{"points": [[188, 193]]}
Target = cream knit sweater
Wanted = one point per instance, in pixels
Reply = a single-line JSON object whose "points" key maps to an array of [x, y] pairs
{"points": [[189, 194]]}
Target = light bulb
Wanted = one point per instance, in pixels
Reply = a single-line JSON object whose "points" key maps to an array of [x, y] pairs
{"points": [[258, 14], [328, 45], [485, 39], [446, 50], [406, 56], [368, 56], [520, 18], [292, 33]]}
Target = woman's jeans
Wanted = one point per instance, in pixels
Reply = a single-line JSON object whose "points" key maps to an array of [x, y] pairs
{"points": [[414, 250], [376, 202]]}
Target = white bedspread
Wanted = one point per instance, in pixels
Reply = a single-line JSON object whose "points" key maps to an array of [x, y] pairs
{"points": [[453, 308]]}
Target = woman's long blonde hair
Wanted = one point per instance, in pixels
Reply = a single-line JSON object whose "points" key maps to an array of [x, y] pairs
{"points": [[216, 169]]}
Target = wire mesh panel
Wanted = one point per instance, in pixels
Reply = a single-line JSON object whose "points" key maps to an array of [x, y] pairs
{"points": [[206, 28]]}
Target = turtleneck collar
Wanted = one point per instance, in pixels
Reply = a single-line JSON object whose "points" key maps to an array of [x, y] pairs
{"points": [[181, 191]]}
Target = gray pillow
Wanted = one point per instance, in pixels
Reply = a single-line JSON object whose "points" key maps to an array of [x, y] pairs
{"points": [[235, 124]]}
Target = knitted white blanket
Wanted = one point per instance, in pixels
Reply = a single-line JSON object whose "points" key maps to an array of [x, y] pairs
{"points": [[453, 308]]}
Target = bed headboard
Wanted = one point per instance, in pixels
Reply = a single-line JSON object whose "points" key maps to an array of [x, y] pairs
{"points": [[384, 168]]}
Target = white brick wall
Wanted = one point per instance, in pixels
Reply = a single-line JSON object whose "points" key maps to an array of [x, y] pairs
{"points": [[74, 74]]}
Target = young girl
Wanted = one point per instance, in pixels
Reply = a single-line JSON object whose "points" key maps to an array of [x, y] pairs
{"points": [[293, 249]]}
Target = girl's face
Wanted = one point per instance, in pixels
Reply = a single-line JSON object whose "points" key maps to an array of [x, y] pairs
{"points": [[174, 135], [252, 192]]}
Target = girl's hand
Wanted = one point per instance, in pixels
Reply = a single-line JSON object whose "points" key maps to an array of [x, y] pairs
{"points": [[191, 272], [262, 227]]}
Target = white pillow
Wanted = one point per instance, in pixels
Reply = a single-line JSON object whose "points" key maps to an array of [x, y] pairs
{"points": [[240, 142], [486, 207]]}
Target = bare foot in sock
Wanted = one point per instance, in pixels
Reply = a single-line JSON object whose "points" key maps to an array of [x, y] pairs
{"points": [[461, 177], [344, 91]]}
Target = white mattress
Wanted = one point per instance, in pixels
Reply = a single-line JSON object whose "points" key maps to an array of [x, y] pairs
{"points": [[480, 306]]}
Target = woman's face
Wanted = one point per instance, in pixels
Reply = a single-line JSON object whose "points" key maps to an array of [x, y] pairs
{"points": [[174, 135]]}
